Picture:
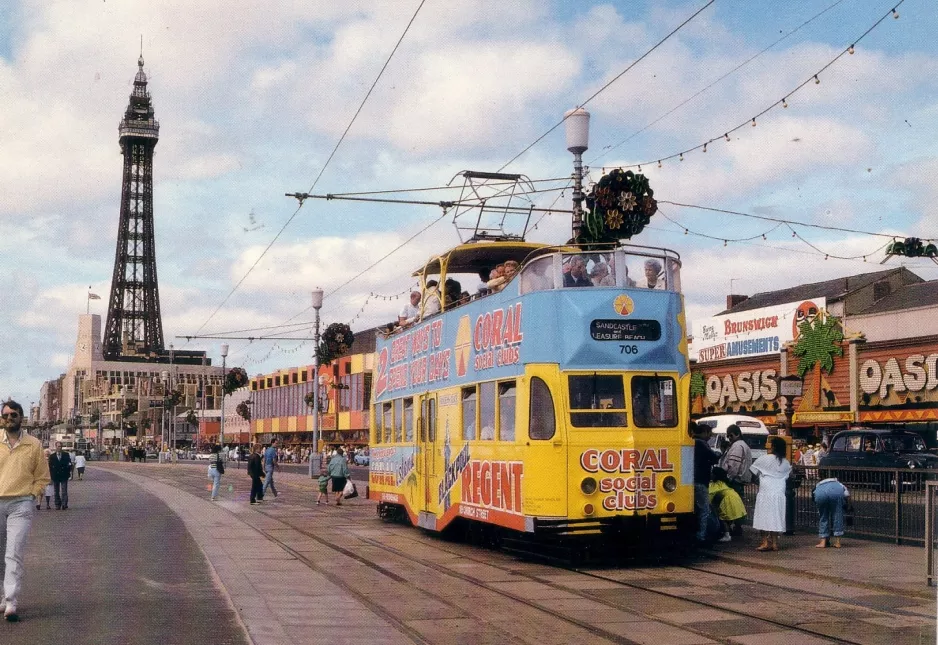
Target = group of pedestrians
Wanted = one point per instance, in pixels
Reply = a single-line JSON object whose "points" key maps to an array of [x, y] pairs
{"points": [[719, 484]]}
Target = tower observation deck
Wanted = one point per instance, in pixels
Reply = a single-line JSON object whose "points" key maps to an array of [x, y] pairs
{"points": [[134, 328]]}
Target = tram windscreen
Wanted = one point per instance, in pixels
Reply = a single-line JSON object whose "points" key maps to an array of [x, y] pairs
{"points": [[597, 401], [653, 404]]}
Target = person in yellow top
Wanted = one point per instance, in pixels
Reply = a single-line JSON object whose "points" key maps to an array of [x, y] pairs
{"points": [[727, 503], [24, 473]]}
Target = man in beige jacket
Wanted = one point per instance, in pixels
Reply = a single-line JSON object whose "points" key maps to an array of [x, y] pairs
{"points": [[24, 473]]}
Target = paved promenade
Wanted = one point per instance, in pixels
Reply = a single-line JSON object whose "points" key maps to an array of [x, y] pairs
{"points": [[288, 571]]}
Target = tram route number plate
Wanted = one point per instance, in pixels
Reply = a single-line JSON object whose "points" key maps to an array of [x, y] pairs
{"points": [[625, 330]]}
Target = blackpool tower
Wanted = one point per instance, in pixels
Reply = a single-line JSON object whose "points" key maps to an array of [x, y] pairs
{"points": [[134, 329]]}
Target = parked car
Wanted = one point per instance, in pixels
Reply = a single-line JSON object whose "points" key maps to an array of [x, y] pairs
{"points": [[362, 460], [203, 456], [755, 433], [878, 448]]}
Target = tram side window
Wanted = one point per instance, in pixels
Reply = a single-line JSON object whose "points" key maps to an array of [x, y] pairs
{"points": [[487, 411], [398, 421], [653, 403], [597, 401], [386, 421], [431, 420], [541, 421], [506, 411], [469, 413], [408, 420]]}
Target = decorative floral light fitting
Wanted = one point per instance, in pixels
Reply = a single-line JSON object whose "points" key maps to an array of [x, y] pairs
{"points": [[236, 378], [619, 207]]}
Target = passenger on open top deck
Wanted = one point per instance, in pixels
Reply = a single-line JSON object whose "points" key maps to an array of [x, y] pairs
{"points": [[431, 299], [411, 311], [497, 279], [654, 278], [574, 274], [538, 275], [600, 275]]}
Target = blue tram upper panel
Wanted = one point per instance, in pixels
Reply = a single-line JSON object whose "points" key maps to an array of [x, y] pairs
{"points": [[604, 310]]}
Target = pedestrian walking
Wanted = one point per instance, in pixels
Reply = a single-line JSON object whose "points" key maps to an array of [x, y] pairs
{"points": [[216, 468], [49, 492], [737, 460], [704, 460], [256, 473], [24, 472], [60, 468], [323, 487], [831, 498], [271, 463], [773, 470], [80, 465], [339, 472]]}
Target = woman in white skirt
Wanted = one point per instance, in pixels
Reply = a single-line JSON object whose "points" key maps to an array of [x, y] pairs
{"points": [[769, 517]]}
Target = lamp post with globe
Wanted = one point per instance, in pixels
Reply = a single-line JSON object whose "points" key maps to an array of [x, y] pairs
{"points": [[314, 460], [577, 126]]}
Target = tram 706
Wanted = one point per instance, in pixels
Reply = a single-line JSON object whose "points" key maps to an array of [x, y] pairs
{"points": [[554, 404]]}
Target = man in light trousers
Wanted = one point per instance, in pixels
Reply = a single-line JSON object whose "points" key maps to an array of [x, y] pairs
{"points": [[271, 463], [24, 473]]}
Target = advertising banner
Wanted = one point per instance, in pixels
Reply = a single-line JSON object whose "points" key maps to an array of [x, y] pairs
{"points": [[751, 333]]}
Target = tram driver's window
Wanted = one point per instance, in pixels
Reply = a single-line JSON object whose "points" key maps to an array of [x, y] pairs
{"points": [[386, 421], [506, 411], [469, 413], [541, 421], [408, 420], [487, 411], [597, 401], [653, 402]]}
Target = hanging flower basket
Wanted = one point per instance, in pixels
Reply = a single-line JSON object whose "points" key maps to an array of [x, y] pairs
{"points": [[244, 411], [172, 399], [336, 342], [191, 418], [236, 378], [618, 208]]}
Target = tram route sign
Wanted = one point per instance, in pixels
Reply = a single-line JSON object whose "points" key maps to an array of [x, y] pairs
{"points": [[625, 330]]}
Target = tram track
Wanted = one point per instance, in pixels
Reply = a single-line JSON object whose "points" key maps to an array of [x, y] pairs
{"points": [[516, 571]]}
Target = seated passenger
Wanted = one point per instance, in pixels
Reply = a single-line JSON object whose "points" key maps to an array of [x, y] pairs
{"points": [[653, 275], [431, 299], [511, 268], [575, 273], [600, 276], [411, 311], [451, 292], [536, 276], [464, 298], [497, 279]]}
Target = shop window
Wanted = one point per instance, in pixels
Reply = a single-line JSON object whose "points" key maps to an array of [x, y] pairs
{"points": [[469, 413], [506, 411], [487, 411], [541, 421], [653, 402], [366, 392]]}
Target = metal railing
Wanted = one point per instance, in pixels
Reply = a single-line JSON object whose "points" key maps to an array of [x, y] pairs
{"points": [[931, 493], [886, 503]]}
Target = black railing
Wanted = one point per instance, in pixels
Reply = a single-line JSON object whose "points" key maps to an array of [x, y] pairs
{"points": [[886, 503]]}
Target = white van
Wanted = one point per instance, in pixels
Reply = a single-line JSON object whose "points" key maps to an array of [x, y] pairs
{"points": [[755, 434]]}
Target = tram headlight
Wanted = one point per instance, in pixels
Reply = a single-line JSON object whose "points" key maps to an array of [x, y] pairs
{"points": [[669, 484], [588, 485]]}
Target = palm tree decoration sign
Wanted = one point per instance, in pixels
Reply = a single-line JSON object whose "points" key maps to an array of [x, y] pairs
{"points": [[817, 345]]}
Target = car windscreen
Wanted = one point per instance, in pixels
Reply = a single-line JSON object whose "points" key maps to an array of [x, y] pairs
{"points": [[709, 424], [903, 443], [755, 441]]}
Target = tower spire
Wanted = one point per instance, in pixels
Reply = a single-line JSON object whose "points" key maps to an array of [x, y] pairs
{"points": [[134, 325]]}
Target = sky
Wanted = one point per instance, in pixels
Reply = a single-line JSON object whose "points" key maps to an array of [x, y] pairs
{"points": [[253, 99]]}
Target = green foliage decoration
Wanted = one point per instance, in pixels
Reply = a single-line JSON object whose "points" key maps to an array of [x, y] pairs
{"points": [[235, 379], [244, 410], [336, 342], [130, 408], [698, 386], [619, 207], [191, 418], [818, 343]]}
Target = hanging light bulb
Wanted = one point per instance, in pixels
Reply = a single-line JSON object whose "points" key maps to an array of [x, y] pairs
{"points": [[895, 14], [850, 50], [659, 163], [785, 102], [727, 136], [639, 167], [705, 147], [825, 256], [724, 242], [685, 231], [864, 258], [764, 237], [682, 156], [817, 81], [793, 234], [753, 121]]}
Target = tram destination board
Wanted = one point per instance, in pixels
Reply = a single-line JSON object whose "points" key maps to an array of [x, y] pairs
{"points": [[625, 330]]}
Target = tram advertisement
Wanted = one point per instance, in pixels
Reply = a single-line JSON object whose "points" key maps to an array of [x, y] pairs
{"points": [[390, 466], [629, 485]]}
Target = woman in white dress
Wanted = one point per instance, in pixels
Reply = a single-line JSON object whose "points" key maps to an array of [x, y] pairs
{"points": [[769, 516]]}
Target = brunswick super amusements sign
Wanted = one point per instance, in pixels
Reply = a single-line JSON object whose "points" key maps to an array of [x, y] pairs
{"points": [[751, 333]]}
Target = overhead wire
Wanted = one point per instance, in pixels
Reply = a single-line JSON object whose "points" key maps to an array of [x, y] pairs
{"points": [[321, 170], [614, 79]]}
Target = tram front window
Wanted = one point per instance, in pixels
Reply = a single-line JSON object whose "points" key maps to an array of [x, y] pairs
{"points": [[597, 401], [653, 404]]}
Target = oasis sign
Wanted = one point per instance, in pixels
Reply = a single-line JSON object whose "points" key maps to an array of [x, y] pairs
{"points": [[915, 373], [745, 387]]}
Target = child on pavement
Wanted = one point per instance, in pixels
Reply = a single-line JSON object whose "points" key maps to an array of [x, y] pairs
{"points": [[726, 503], [324, 480]]}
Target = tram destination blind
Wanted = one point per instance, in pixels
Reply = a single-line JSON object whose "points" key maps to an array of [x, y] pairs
{"points": [[625, 330]]}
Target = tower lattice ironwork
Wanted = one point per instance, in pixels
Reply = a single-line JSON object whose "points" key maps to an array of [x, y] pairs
{"points": [[134, 326]]}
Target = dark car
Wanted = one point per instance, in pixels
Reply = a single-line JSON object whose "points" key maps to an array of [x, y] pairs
{"points": [[878, 448]]}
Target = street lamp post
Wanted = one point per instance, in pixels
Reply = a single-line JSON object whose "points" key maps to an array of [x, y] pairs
{"points": [[789, 388], [577, 124], [314, 460], [221, 430], [164, 422]]}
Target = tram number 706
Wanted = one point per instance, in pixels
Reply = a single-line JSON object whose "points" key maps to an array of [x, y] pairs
{"points": [[628, 349]]}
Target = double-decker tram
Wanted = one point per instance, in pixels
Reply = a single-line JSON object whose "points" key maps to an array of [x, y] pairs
{"points": [[554, 405]]}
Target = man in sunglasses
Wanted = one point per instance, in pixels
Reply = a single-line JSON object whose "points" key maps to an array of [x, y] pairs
{"points": [[24, 473]]}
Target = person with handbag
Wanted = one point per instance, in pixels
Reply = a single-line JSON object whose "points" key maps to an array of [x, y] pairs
{"points": [[340, 472], [256, 473], [772, 470], [216, 468], [831, 498]]}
